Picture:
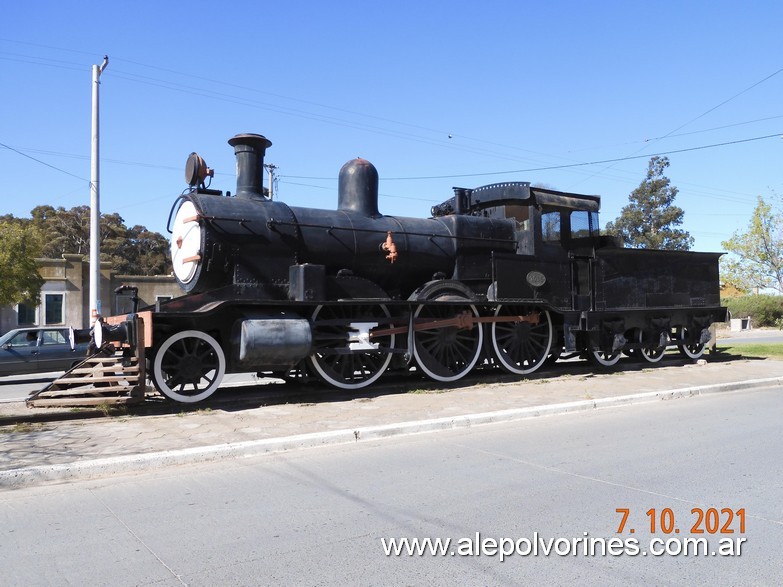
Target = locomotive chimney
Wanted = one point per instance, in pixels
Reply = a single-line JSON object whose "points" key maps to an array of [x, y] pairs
{"points": [[250, 150], [357, 188]]}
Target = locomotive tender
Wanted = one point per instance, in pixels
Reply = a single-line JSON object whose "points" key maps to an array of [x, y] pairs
{"points": [[505, 275]]}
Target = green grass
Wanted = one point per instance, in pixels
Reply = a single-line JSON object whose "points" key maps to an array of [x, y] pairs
{"points": [[765, 351]]}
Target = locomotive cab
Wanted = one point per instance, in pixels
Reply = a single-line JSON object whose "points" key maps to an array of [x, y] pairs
{"points": [[556, 235], [571, 238]]}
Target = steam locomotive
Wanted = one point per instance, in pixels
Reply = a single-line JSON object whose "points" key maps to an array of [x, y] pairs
{"points": [[505, 275]]}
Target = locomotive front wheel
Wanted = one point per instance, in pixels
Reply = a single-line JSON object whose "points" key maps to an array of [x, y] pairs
{"points": [[346, 355], [188, 367], [447, 353], [521, 347], [690, 350]]}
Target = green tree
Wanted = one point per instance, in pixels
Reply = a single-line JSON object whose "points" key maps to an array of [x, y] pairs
{"points": [[650, 219], [756, 255], [142, 252], [19, 277], [68, 231], [131, 251]]}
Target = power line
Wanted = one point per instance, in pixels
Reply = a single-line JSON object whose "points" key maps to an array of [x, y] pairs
{"points": [[90, 53], [44, 163], [695, 132], [205, 92], [286, 178], [307, 115], [280, 109], [105, 159], [671, 132], [40, 61], [565, 166], [726, 101], [682, 134]]}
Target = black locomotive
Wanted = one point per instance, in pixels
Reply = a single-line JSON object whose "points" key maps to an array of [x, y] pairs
{"points": [[504, 275]]}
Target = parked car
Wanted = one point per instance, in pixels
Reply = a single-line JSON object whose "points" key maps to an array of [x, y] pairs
{"points": [[38, 350]]}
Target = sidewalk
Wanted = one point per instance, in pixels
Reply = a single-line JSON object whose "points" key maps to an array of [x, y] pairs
{"points": [[35, 453]]}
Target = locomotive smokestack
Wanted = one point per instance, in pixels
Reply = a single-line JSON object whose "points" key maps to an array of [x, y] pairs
{"points": [[250, 150], [357, 188]]}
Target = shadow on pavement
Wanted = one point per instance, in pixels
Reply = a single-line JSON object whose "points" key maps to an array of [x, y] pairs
{"points": [[256, 395]]}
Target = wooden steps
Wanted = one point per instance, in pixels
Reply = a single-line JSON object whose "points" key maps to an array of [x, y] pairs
{"points": [[115, 375]]}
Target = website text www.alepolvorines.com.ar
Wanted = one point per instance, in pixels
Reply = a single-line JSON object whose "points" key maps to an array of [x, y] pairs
{"points": [[586, 546]]}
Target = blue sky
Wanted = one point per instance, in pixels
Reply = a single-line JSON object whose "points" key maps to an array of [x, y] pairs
{"points": [[435, 94]]}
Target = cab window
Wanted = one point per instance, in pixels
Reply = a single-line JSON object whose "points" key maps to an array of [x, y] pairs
{"points": [[583, 224], [550, 226]]}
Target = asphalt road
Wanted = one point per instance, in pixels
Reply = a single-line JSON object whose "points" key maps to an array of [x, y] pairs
{"points": [[14, 388], [753, 338], [318, 517]]}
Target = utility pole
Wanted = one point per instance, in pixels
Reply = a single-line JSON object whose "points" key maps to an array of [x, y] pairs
{"points": [[95, 194], [271, 170]]}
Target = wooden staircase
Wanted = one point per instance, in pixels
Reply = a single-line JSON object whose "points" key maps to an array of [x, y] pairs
{"points": [[112, 376]]}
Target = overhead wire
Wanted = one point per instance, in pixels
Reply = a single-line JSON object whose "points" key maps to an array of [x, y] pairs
{"points": [[129, 76], [682, 134], [702, 115], [731, 197], [319, 117], [726, 101], [569, 165], [385, 119], [43, 162], [191, 91]]}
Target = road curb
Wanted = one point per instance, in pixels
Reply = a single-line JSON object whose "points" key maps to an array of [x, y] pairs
{"points": [[85, 469]]}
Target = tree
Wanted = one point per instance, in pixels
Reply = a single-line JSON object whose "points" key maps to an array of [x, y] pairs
{"points": [[756, 255], [131, 251], [650, 218], [19, 277], [143, 252]]}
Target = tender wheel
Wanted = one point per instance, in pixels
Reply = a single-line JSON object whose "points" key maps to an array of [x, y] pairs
{"points": [[188, 367], [650, 351], [345, 355], [603, 358], [522, 347], [447, 353], [690, 350]]}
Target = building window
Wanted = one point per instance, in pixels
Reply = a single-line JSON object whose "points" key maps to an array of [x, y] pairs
{"points": [[26, 314], [53, 308]]}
